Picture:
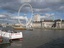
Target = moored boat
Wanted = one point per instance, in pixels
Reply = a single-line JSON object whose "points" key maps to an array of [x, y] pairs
{"points": [[19, 28], [10, 33]]}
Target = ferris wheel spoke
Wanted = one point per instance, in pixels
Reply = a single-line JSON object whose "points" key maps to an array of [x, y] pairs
{"points": [[28, 22]]}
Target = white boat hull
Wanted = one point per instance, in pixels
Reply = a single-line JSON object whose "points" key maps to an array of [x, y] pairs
{"points": [[17, 35]]}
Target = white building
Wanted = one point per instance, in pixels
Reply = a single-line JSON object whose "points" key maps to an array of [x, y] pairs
{"points": [[37, 17]]}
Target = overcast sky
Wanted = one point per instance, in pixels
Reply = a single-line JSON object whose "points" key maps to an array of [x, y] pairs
{"points": [[39, 6]]}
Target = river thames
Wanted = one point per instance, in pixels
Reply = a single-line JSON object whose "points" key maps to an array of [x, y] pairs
{"points": [[39, 38]]}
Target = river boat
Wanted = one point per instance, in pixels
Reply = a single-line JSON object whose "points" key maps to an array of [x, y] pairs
{"points": [[10, 33]]}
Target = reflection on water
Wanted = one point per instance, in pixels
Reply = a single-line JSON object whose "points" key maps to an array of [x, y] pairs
{"points": [[4, 45], [39, 39], [14, 44]]}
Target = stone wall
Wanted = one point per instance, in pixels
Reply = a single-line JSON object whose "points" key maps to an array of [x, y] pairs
{"points": [[62, 24], [48, 24], [36, 25]]}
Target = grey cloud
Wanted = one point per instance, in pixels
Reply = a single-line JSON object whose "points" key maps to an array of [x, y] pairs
{"points": [[12, 6]]}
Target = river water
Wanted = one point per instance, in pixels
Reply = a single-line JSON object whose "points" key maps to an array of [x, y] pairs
{"points": [[39, 38]]}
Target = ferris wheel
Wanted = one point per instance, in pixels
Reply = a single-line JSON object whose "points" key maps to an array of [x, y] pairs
{"points": [[28, 22]]}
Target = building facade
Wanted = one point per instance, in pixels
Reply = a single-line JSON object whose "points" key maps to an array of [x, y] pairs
{"points": [[49, 24], [37, 17]]}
